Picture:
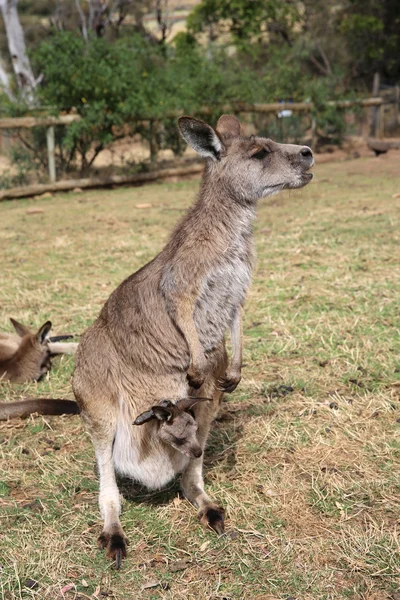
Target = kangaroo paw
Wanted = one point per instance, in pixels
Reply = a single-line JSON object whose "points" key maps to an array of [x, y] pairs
{"points": [[228, 384], [213, 517], [195, 380], [115, 546]]}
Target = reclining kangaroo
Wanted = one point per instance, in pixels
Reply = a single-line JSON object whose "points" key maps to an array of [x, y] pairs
{"points": [[26, 356], [161, 332]]}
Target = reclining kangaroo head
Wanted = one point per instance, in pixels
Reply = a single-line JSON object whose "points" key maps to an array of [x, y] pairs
{"points": [[32, 359], [249, 167], [177, 425]]}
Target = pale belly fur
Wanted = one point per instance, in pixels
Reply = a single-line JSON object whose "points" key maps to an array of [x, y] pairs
{"points": [[221, 295], [153, 471]]}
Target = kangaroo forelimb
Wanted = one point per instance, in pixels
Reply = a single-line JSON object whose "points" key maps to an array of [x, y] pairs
{"points": [[233, 375], [184, 320]]}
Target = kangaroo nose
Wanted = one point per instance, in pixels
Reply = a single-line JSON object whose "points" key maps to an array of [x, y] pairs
{"points": [[306, 152], [306, 157]]}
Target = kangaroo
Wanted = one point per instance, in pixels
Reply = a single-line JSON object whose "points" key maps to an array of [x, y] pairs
{"points": [[162, 330], [26, 356]]}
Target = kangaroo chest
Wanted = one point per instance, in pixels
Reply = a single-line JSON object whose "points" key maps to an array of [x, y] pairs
{"points": [[222, 292]]}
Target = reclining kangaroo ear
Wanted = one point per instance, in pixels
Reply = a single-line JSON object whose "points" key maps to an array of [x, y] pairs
{"points": [[189, 402], [43, 332], [19, 328], [156, 412], [201, 137]]}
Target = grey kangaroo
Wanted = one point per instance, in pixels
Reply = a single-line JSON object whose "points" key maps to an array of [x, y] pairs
{"points": [[26, 356], [161, 333]]}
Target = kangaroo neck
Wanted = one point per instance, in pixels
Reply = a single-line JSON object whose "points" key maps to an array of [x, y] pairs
{"points": [[218, 204]]}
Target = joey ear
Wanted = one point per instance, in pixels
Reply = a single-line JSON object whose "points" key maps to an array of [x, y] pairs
{"points": [[166, 403], [161, 413], [201, 137], [144, 417], [156, 412], [19, 328], [43, 332], [228, 126]]}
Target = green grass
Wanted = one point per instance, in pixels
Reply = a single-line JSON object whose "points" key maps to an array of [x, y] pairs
{"points": [[305, 456]]}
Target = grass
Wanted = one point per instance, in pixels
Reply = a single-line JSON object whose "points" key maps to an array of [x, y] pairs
{"points": [[305, 455]]}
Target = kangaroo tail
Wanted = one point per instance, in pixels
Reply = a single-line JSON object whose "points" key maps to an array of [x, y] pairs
{"points": [[43, 406]]}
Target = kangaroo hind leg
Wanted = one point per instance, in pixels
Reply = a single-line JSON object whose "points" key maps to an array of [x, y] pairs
{"points": [[112, 538], [211, 515]]}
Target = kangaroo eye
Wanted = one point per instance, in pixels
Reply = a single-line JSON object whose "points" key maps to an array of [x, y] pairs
{"points": [[179, 441], [260, 154]]}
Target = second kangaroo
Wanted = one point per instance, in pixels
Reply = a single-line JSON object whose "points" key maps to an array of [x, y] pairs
{"points": [[161, 333]]}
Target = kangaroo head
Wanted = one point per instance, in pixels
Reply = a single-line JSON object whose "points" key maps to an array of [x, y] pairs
{"points": [[177, 425], [248, 168], [33, 354]]}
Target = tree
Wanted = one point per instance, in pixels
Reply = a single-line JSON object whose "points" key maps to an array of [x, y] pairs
{"points": [[247, 21], [371, 29], [25, 78]]}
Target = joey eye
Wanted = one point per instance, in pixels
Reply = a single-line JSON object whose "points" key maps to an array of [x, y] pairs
{"points": [[261, 154], [179, 441]]}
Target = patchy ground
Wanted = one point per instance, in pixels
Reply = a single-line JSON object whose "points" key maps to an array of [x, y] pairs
{"points": [[305, 455]]}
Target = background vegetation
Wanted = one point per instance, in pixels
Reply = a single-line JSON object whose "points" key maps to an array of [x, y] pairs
{"points": [[104, 61]]}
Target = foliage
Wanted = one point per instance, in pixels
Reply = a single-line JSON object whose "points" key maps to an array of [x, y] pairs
{"points": [[110, 85], [263, 51], [371, 30], [354, 37], [247, 21], [26, 162]]}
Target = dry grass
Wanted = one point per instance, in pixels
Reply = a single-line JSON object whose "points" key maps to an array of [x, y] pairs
{"points": [[305, 456]]}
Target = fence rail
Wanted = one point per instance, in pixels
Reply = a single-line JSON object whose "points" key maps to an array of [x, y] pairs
{"points": [[376, 103]]}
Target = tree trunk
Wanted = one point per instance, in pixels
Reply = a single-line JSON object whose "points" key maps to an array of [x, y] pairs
{"points": [[5, 82], [16, 45]]}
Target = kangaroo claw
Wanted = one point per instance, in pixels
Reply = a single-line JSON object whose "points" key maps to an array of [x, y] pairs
{"points": [[228, 384], [213, 517], [115, 545]]}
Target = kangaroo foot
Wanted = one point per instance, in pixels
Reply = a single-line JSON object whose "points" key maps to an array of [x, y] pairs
{"points": [[115, 544], [213, 517]]}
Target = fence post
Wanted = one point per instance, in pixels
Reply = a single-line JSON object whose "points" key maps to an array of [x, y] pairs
{"points": [[153, 141], [375, 110], [51, 154], [313, 131], [381, 121], [396, 104]]}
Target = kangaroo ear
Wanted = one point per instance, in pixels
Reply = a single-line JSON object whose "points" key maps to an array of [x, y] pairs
{"points": [[162, 414], [156, 412], [144, 417], [19, 328], [228, 126], [189, 402], [43, 332], [201, 137]]}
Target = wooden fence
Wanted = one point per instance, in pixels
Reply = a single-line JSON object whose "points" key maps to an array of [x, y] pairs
{"points": [[239, 107]]}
